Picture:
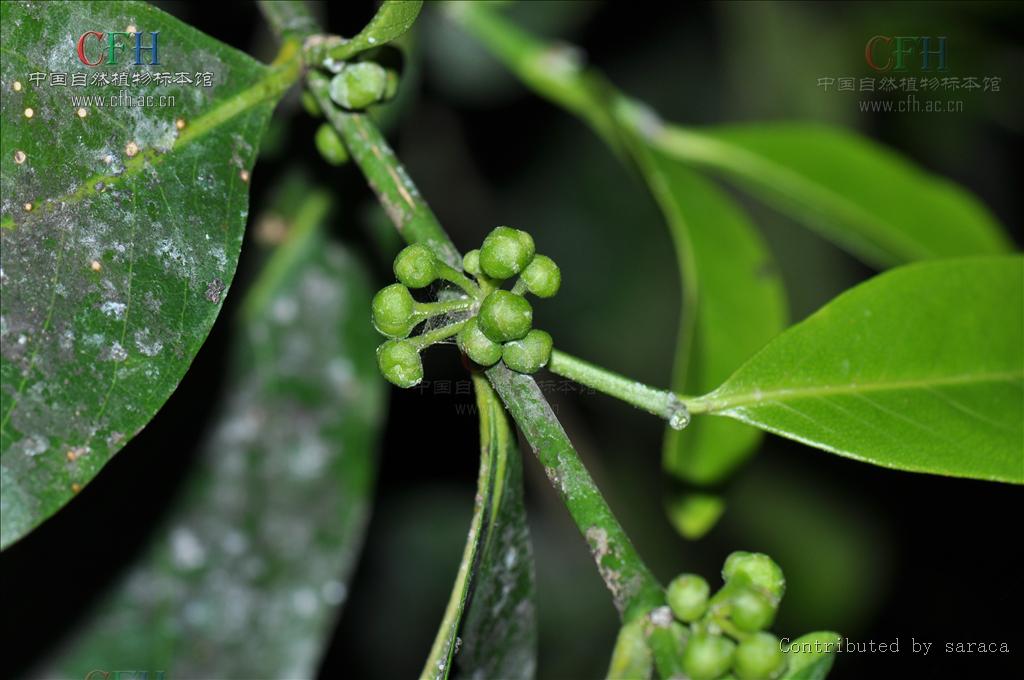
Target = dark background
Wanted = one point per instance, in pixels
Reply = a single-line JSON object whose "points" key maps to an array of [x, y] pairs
{"points": [[873, 553]]}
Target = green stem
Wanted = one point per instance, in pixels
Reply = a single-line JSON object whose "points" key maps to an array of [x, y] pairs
{"points": [[663, 403], [634, 588], [429, 309], [396, 192], [453, 275], [435, 336], [519, 288]]}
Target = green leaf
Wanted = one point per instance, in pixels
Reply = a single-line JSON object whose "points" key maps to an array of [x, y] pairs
{"points": [[247, 575], [810, 656], [393, 18], [868, 199], [920, 369], [113, 279], [489, 628], [733, 304]]}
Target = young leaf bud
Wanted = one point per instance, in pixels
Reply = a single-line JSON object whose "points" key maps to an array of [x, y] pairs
{"points": [[391, 85], [471, 262], [759, 657], [542, 276], [400, 363], [530, 354], [358, 85], [707, 656], [751, 611], [416, 266], [478, 346], [393, 311], [505, 316], [688, 597], [330, 146], [762, 571], [505, 252]]}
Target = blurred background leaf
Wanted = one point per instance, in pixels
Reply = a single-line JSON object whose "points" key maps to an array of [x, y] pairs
{"points": [[250, 568]]}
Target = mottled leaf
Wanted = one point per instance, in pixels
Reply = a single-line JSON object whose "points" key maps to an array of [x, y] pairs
{"points": [[920, 368], [866, 198], [121, 227], [246, 576], [489, 626]]}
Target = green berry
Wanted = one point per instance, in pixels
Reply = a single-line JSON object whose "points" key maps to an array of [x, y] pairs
{"points": [[505, 316], [391, 86], [506, 252], [688, 597], [359, 85], [416, 266], [751, 611], [707, 656], [471, 262], [400, 362], [530, 354], [542, 276], [478, 346], [759, 657], [310, 104], [762, 571], [394, 311], [330, 146]]}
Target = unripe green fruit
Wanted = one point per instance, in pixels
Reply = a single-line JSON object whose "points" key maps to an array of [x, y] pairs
{"points": [[688, 597], [478, 346], [759, 657], [400, 362], [416, 266], [505, 316], [505, 252], [391, 86], [471, 262], [530, 354], [311, 105], [751, 611], [542, 276], [707, 657], [330, 146], [393, 309], [762, 571], [359, 85]]}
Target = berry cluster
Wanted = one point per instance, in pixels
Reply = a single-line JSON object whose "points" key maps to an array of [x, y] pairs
{"points": [[727, 630], [492, 324]]}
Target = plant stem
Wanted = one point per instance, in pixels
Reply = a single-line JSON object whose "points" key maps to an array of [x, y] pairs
{"points": [[428, 309], [663, 403], [634, 588], [395, 190], [289, 19], [435, 336], [453, 275]]}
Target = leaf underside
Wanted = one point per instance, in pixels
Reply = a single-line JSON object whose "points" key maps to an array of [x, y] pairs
{"points": [[920, 369], [489, 627], [121, 230], [247, 574]]}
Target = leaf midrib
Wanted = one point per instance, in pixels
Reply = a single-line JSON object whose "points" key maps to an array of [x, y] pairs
{"points": [[712, 404]]}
